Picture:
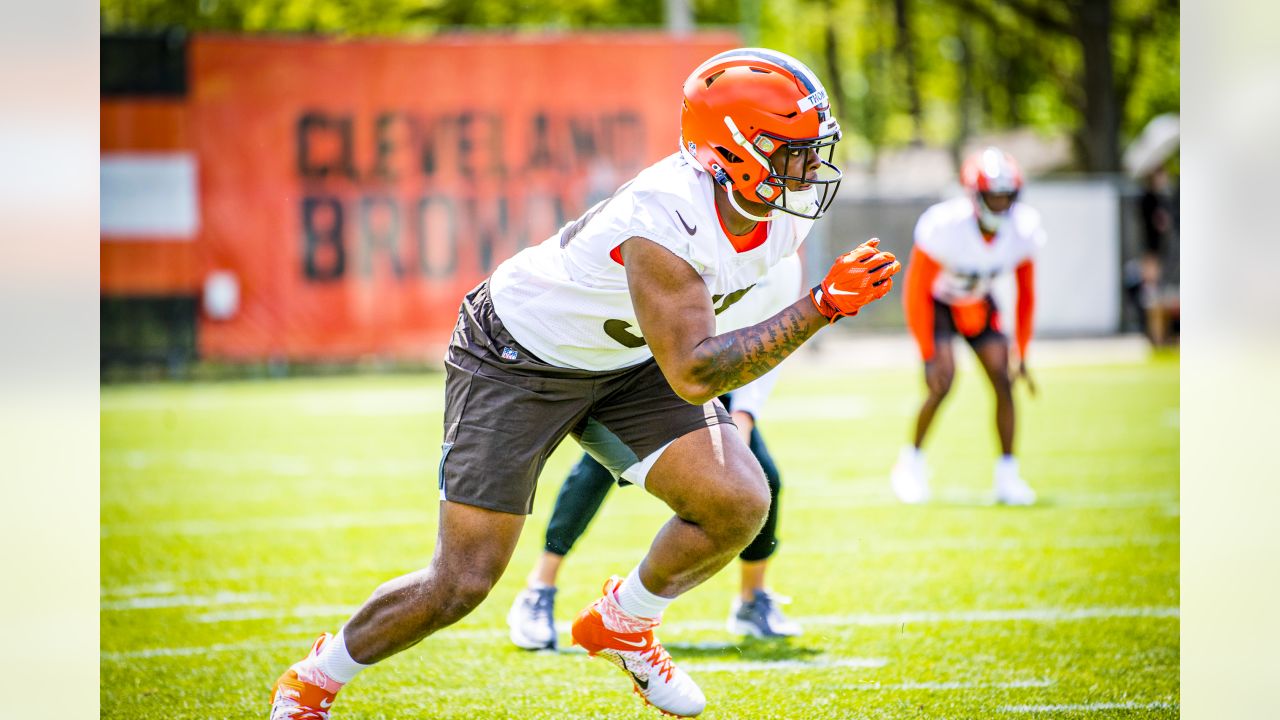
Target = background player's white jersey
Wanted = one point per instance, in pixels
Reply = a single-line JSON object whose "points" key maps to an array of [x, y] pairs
{"points": [[566, 299], [948, 232], [777, 290]]}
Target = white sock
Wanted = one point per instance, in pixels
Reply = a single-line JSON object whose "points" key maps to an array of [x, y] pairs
{"points": [[635, 599], [336, 662], [913, 452], [1007, 464]]}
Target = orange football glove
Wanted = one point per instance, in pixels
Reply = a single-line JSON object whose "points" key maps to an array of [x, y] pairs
{"points": [[860, 276]]}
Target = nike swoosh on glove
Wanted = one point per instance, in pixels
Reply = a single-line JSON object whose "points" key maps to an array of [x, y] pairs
{"points": [[858, 277]]}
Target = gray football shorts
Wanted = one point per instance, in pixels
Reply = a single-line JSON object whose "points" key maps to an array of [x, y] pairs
{"points": [[506, 411]]}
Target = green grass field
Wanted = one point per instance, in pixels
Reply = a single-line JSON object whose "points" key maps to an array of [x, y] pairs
{"points": [[240, 519]]}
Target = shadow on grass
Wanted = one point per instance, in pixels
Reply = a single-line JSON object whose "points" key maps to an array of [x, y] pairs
{"points": [[745, 649]]}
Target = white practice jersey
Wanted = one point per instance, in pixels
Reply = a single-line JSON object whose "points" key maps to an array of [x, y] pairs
{"points": [[948, 232], [566, 299], [780, 288]]}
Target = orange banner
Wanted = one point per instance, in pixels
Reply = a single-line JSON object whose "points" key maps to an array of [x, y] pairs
{"points": [[354, 191]]}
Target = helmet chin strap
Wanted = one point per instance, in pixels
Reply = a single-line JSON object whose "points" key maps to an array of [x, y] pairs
{"points": [[728, 188]]}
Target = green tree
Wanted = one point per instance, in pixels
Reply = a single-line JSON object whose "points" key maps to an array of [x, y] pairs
{"points": [[1100, 89]]}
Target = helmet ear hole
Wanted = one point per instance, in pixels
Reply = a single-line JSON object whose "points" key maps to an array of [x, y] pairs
{"points": [[728, 156]]}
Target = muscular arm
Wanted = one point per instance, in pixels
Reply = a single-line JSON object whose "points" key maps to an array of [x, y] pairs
{"points": [[677, 320]]}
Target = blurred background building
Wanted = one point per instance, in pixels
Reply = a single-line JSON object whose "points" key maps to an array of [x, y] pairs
{"points": [[319, 183]]}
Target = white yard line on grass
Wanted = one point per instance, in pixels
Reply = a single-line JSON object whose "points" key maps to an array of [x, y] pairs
{"points": [[854, 620], [865, 493], [984, 616], [301, 611], [965, 616], [205, 650], [315, 523], [1094, 542], [172, 601], [860, 351], [772, 665], [953, 685], [867, 500], [276, 464], [1088, 707], [156, 588], [376, 402]]}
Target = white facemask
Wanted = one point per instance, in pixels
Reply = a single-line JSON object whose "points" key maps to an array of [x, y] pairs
{"points": [[803, 201], [988, 219]]}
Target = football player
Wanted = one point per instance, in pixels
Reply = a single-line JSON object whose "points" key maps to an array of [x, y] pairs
{"points": [[756, 610], [606, 332], [961, 246]]}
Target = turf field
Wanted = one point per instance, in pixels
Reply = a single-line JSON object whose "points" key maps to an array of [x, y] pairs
{"points": [[241, 518]]}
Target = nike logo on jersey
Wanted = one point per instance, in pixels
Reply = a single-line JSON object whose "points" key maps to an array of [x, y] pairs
{"points": [[326, 703], [690, 230]]}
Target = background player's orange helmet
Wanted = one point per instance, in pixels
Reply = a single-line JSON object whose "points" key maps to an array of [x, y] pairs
{"points": [[743, 107], [993, 171]]}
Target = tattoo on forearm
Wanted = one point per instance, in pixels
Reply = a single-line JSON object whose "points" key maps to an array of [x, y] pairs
{"points": [[731, 360]]}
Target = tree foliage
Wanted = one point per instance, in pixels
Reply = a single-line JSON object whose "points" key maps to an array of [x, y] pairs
{"points": [[900, 71]]}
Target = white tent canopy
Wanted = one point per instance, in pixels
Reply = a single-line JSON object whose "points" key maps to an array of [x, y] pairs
{"points": [[1153, 146]]}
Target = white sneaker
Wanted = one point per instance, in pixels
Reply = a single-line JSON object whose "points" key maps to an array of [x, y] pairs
{"points": [[910, 478], [761, 617], [1011, 489], [653, 675], [531, 619]]}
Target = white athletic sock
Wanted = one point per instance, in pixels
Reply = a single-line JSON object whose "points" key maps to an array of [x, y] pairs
{"points": [[336, 662], [635, 599]]}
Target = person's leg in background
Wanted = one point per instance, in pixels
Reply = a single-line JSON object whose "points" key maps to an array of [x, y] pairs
{"points": [[992, 349], [532, 615], [755, 611], [910, 477]]}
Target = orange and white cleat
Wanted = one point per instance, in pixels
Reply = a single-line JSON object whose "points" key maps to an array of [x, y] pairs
{"points": [[303, 692], [653, 675]]}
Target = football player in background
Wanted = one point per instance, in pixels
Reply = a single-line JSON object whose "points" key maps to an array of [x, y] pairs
{"points": [[961, 246], [606, 331], [755, 610]]}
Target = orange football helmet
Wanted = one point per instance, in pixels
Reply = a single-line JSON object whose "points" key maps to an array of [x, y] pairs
{"points": [[743, 107], [991, 171]]}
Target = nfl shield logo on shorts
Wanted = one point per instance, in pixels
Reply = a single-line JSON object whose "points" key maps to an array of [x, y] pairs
{"points": [[510, 354]]}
